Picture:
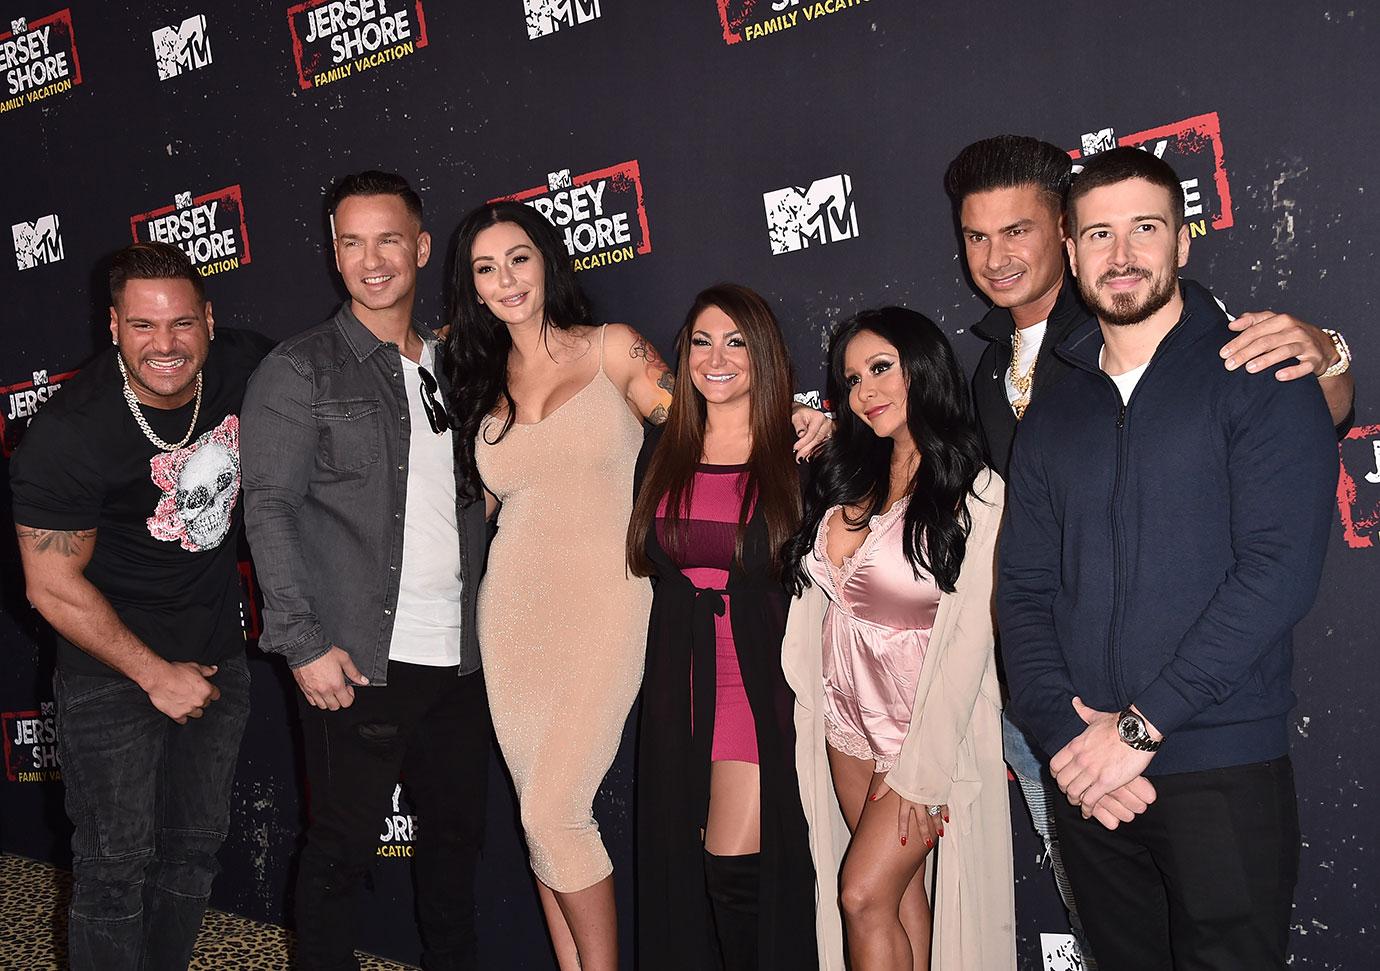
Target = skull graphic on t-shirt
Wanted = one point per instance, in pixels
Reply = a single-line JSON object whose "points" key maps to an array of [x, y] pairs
{"points": [[200, 484]]}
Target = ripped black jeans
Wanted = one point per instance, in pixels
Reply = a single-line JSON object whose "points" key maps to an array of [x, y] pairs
{"points": [[429, 728]]}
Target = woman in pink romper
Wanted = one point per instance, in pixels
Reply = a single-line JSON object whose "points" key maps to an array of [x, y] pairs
{"points": [[890, 653]]}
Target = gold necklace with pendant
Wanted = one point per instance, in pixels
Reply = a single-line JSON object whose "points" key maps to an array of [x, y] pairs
{"points": [[1020, 382]]}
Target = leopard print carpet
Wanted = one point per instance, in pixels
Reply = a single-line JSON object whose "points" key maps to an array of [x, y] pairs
{"points": [[33, 928]]}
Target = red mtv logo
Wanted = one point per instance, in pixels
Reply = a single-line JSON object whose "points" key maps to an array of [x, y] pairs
{"points": [[1358, 486]]}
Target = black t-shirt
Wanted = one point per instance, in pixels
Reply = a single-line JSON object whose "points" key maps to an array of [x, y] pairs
{"points": [[168, 523]]}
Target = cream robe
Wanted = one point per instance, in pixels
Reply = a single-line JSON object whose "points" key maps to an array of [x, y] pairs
{"points": [[952, 755]]}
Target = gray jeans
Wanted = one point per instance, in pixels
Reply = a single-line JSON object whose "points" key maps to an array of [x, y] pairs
{"points": [[150, 803]]}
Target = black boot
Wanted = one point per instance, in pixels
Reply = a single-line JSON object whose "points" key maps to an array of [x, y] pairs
{"points": [[732, 882]]}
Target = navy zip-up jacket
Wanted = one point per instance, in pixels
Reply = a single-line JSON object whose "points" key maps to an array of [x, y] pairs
{"points": [[1159, 553]]}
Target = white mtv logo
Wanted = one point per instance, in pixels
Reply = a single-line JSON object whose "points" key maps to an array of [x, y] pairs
{"points": [[799, 218], [1103, 140], [548, 16], [37, 242], [181, 49], [1059, 952]]}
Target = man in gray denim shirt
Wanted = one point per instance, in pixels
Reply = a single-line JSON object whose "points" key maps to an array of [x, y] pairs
{"points": [[369, 568]]}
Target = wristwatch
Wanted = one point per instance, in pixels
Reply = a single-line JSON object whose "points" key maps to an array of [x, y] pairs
{"points": [[1130, 727], [1343, 355]]}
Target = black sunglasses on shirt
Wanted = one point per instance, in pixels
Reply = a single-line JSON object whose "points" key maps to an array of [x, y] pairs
{"points": [[435, 411]]}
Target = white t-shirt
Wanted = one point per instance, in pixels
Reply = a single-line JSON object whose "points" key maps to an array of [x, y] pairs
{"points": [[1125, 383], [426, 629], [1031, 339]]}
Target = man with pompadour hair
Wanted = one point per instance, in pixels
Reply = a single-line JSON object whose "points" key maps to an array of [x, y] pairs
{"points": [[126, 503], [369, 566]]}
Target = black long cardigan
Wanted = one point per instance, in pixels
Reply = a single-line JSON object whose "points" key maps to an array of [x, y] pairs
{"points": [[675, 923]]}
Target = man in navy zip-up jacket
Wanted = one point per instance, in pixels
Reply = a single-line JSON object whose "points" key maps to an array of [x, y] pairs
{"points": [[1166, 527]]}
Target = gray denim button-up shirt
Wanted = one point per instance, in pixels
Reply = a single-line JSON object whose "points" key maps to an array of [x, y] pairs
{"points": [[324, 444]]}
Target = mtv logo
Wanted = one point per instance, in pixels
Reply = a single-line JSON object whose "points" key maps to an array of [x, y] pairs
{"points": [[558, 180], [40, 378], [19, 26], [1099, 141], [1060, 953], [548, 16], [798, 218], [37, 242], [182, 200], [183, 48], [47, 707]]}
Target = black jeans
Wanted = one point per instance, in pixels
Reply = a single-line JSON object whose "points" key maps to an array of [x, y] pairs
{"points": [[430, 727], [1204, 879], [150, 803]]}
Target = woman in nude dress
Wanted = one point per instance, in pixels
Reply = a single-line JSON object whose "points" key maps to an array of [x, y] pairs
{"points": [[550, 411], [890, 653]]}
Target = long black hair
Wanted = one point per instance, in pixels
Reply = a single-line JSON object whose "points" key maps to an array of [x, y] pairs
{"points": [[854, 467], [478, 345]]}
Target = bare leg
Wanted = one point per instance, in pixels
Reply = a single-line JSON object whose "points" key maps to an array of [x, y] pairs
{"points": [[732, 873], [583, 926], [878, 875], [735, 809], [567, 958]]}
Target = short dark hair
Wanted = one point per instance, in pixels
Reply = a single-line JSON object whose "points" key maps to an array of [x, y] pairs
{"points": [[1121, 165], [152, 261], [376, 183], [1008, 162]]}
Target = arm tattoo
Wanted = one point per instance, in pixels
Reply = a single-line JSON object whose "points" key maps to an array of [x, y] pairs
{"points": [[658, 415], [63, 542]]}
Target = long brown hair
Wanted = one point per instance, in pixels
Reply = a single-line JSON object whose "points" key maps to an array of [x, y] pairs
{"points": [[771, 482]]}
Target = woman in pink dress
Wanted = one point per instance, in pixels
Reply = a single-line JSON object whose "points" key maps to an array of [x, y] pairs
{"points": [[723, 862], [890, 652]]}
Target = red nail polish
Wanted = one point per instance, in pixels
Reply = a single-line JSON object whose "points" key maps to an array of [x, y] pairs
{"points": [[946, 817], [929, 843], [903, 841], [941, 832]]}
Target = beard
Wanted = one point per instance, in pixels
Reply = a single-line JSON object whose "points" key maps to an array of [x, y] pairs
{"points": [[1124, 309]]}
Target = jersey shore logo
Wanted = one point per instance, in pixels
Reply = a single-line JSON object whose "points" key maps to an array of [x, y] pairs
{"points": [[210, 229], [1358, 487], [1194, 148], [753, 19], [31, 744], [337, 39], [602, 215], [250, 620], [1059, 952], [37, 242], [823, 212], [548, 16], [183, 48], [39, 60], [199, 484], [399, 828], [22, 401]]}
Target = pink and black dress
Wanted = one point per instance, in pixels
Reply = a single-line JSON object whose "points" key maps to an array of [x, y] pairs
{"points": [[714, 690]]}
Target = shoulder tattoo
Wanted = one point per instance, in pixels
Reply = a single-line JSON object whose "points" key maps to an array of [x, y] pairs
{"points": [[658, 415], [63, 542]]}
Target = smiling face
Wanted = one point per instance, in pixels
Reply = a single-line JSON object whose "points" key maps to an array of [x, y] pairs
{"points": [[509, 274], [379, 246], [163, 329], [1011, 241], [877, 390], [720, 366], [1126, 251]]}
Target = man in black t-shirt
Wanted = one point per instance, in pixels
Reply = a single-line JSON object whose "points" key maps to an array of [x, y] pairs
{"points": [[125, 494]]}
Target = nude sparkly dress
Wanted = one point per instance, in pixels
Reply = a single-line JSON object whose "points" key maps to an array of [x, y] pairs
{"points": [[562, 625]]}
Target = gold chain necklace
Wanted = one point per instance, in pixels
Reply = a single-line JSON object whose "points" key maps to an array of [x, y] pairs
{"points": [[1020, 382], [138, 413]]}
